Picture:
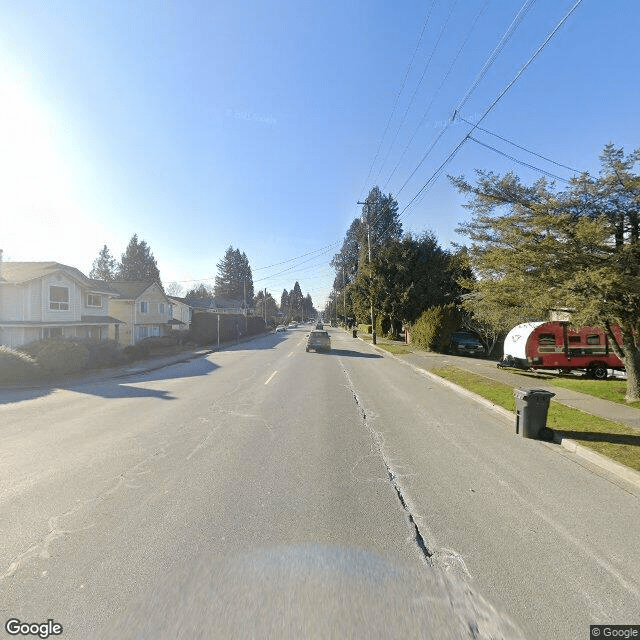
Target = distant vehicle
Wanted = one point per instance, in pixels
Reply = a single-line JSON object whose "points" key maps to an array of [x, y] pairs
{"points": [[280, 328], [293, 325], [319, 341], [319, 326], [466, 344], [553, 345]]}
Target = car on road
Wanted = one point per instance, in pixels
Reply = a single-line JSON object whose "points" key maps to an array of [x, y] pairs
{"points": [[319, 326], [293, 325], [319, 341], [466, 344], [280, 328]]}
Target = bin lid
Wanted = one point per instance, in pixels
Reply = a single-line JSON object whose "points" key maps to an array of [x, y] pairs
{"points": [[531, 393]]}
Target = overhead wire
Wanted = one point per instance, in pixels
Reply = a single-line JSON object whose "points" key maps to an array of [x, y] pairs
{"points": [[415, 92], [437, 91], [395, 104], [495, 135]]}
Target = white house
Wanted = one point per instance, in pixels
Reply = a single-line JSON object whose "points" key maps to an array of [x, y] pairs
{"points": [[180, 314], [43, 300]]}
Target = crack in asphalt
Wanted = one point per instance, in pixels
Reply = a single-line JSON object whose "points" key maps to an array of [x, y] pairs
{"points": [[393, 479]]}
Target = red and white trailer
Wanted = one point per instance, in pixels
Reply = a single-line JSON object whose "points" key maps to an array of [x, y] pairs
{"points": [[554, 345]]}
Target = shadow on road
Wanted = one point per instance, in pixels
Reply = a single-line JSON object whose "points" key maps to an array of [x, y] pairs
{"points": [[598, 436], [119, 386], [350, 354]]}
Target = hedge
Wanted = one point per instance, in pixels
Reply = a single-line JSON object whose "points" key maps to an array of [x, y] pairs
{"points": [[58, 356], [364, 328], [16, 366], [432, 330]]}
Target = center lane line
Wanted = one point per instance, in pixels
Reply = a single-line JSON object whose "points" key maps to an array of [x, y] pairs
{"points": [[271, 377]]}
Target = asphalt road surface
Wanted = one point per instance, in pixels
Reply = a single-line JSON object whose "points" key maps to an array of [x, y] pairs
{"points": [[267, 492]]}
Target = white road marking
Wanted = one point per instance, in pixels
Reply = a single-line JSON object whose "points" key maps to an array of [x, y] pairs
{"points": [[271, 377], [290, 355]]}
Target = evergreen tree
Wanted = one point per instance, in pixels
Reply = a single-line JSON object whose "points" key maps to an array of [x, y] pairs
{"points": [[234, 279], [138, 263], [104, 266], [576, 249], [284, 302]]}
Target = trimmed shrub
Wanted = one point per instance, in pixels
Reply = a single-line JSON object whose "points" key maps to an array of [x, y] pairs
{"points": [[56, 357], [103, 353], [16, 366], [159, 342], [432, 330], [137, 351]]}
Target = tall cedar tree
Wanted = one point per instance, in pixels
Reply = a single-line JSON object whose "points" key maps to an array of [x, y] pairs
{"points": [[234, 279], [104, 266], [534, 249], [137, 263]]}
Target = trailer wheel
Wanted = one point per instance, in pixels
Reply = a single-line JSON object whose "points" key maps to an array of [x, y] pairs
{"points": [[598, 372]]}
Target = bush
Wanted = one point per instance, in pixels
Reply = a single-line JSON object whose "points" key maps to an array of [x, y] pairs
{"points": [[432, 330], [103, 353], [158, 342], [137, 351], [58, 356], [16, 366], [364, 328]]}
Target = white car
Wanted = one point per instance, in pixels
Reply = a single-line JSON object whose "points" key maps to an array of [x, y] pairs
{"points": [[280, 327]]}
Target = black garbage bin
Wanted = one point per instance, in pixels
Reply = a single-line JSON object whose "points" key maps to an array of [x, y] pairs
{"points": [[355, 333], [532, 406]]}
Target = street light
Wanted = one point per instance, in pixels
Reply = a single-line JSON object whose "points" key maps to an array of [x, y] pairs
{"points": [[373, 326]]}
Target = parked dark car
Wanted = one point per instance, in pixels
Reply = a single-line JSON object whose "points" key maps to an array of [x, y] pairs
{"points": [[466, 344]]}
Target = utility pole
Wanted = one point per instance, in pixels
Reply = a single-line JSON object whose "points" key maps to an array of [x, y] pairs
{"points": [[344, 298], [373, 326]]}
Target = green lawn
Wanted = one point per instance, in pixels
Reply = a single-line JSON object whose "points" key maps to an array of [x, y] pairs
{"points": [[397, 349], [616, 441], [612, 389]]}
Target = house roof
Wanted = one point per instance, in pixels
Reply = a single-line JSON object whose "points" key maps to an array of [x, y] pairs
{"points": [[22, 272], [130, 290]]}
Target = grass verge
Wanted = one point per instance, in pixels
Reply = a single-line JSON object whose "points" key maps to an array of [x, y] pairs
{"points": [[396, 349], [612, 389], [611, 439]]}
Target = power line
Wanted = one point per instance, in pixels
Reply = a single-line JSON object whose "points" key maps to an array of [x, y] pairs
{"points": [[506, 36], [415, 92], [524, 164], [395, 104], [559, 164], [437, 91]]}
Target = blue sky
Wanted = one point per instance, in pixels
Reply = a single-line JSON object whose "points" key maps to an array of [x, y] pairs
{"points": [[199, 125]]}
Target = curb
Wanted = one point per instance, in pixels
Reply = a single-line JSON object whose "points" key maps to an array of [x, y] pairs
{"points": [[626, 473]]}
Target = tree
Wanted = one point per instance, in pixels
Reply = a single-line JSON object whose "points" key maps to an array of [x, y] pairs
{"points": [[138, 263], [104, 266], [381, 218], [535, 249], [174, 289], [295, 302], [199, 292], [271, 307], [234, 279], [284, 302]]}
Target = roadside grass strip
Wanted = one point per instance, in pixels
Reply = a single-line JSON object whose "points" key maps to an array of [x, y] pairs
{"points": [[612, 390], [611, 439], [396, 349]]}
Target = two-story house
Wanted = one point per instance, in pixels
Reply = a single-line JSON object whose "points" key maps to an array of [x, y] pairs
{"points": [[42, 300], [143, 309], [180, 314]]}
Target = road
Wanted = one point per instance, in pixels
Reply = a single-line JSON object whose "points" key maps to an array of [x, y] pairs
{"points": [[263, 491]]}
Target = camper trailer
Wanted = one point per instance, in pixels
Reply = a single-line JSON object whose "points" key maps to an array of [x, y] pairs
{"points": [[554, 345]]}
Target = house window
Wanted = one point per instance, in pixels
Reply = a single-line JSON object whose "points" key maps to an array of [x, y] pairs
{"points": [[94, 300], [593, 339], [59, 298], [50, 333], [143, 332], [144, 307], [160, 307]]}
